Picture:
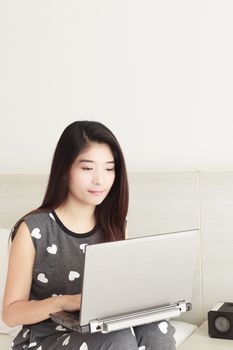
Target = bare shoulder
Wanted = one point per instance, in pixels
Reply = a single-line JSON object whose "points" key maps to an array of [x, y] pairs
{"points": [[22, 228], [22, 238]]}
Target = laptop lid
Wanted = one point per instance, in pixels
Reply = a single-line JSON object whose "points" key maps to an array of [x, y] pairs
{"points": [[137, 274]]}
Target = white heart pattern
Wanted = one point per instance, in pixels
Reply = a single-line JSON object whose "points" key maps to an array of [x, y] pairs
{"points": [[32, 344], [61, 329], [83, 346], [163, 326], [52, 249], [52, 217], [63, 335], [66, 341], [40, 348], [82, 247], [41, 277], [73, 275], [36, 233], [25, 333]]}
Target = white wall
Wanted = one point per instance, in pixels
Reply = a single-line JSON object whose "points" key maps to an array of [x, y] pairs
{"points": [[158, 73]]}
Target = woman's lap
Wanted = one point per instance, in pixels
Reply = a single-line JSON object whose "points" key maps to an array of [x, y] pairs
{"points": [[153, 336], [119, 340]]}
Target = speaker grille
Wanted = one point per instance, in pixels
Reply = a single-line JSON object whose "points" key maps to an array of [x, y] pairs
{"points": [[222, 324]]}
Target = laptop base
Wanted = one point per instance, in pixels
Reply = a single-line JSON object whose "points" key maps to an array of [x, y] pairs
{"points": [[138, 318], [70, 320]]}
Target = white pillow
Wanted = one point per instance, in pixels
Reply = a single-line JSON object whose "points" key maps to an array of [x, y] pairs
{"points": [[4, 250], [183, 330]]}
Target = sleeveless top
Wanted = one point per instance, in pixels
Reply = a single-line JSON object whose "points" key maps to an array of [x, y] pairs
{"points": [[58, 269]]}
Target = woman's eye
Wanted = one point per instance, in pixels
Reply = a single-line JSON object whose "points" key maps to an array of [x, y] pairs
{"points": [[86, 168], [110, 169]]}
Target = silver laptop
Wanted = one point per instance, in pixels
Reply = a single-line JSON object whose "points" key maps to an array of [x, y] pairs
{"points": [[135, 281]]}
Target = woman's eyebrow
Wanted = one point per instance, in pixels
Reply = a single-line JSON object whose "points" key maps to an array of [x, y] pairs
{"points": [[86, 161], [92, 161]]}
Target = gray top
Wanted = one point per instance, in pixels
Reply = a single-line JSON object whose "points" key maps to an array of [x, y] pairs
{"points": [[58, 267]]}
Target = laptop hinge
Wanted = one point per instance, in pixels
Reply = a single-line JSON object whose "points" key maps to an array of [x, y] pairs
{"points": [[138, 318]]}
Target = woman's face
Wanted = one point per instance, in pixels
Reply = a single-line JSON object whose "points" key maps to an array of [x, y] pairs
{"points": [[92, 174]]}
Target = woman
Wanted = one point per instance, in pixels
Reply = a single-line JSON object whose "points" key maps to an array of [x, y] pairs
{"points": [[86, 202]]}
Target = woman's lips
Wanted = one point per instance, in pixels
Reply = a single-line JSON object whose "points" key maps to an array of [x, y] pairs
{"points": [[97, 192]]}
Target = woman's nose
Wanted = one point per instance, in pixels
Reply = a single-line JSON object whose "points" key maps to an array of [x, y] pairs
{"points": [[98, 178]]}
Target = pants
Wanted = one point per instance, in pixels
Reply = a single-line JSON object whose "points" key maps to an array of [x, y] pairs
{"points": [[153, 336]]}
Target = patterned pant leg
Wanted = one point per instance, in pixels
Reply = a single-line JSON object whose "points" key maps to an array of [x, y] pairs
{"points": [[155, 336], [119, 340]]}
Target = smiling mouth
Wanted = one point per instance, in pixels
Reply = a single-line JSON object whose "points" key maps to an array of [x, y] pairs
{"points": [[97, 192]]}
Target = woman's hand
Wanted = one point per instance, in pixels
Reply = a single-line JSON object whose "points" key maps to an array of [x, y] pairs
{"points": [[69, 302]]}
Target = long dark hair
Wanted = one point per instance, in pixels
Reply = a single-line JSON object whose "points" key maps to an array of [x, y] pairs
{"points": [[111, 213]]}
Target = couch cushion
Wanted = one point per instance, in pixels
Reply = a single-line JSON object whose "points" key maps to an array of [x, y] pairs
{"points": [[183, 330]]}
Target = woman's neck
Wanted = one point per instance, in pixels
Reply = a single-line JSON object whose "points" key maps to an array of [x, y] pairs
{"points": [[77, 218]]}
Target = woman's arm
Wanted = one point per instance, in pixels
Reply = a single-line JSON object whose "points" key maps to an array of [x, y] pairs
{"points": [[17, 309]]}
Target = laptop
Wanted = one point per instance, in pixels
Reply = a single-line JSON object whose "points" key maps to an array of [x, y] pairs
{"points": [[134, 281]]}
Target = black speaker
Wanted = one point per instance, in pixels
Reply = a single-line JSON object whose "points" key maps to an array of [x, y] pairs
{"points": [[220, 321]]}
